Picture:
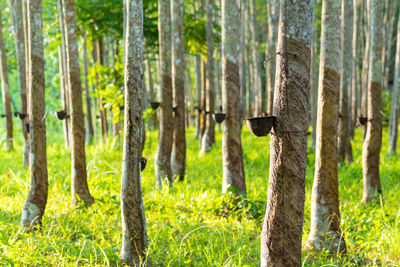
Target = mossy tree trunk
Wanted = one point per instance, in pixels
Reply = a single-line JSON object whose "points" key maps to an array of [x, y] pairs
{"points": [[134, 236], [35, 203], [79, 185], [282, 230], [373, 139], [232, 153]]}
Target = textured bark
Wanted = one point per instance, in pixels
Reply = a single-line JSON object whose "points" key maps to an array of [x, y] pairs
{"points": [[355, 73], [345, 79], [163, 156], [36, 200], [89, 119], [232, 153], [134, 236], [208, 139], [197, 77], [256, 62], [178, 157], [62, 57], [273, 23], [17, 14], [282, 230], [79, 186], [365, 66], [373, 139], [314, 80], [5, 90], [325, 229], [394, 112]]}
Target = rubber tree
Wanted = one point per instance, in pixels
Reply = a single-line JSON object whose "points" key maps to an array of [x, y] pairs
{"points": [[79, 185], [232, 153], [178, 157], [394, 112], [344, 145], [282, 229], [35, 203], [273, 25], [5, 91], [18, 26], [88, 104], [314, 79], [325, 229], [165, 138], [134, 236], [208, 139], [373, 139]]}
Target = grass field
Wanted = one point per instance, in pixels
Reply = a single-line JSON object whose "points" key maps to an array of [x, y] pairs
{"points": [[193, 224]]}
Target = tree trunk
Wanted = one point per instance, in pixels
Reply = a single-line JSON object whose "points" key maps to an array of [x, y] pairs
{"points": [[134, 236], [256, 65], [325, 229], [5, 89], [232, 153], [163, 157], [203, 100], [178, 157], [18, 24], [79, 186], [63, 93], [355, 67], [208, 139], [197, 77], [394, 112], [273, 23], [90, 132], [36, 200], [345, 79], [314, 79], [373, 139], [282, 230], [365, 71]]}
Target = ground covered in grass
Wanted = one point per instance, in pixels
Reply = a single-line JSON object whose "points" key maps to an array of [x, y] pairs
{"points": [[193, 224]]}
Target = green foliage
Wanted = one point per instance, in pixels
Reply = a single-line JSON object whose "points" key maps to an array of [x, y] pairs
{"points": [[193, 224]]}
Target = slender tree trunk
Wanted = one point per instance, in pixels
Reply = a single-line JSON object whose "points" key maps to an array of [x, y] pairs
{"points": [[63, 92], [163, 157], [355, 74], [394, 112], [90, 132], [178, 157], [35, 203], [197, 77], [373, 139], [18, 24], [203, 105], [208, 139], [325, 229], [79, 185], [256, 65], [314, 79], [365, 71], [5, 89], [273, 23], [345, 79], [283, 223], [134, 236], [232, 153]]}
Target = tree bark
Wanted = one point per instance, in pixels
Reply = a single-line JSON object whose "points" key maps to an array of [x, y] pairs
{"points": [[89, 119], [345, 80], [208, 139], [5, 89], [163, 156], [373, 138], [365, 71], [178, 157], [355, 73], [35, 203], [282, 230], [232, 153], [197, 77], [314, 79], [273, 24], [79, 185], [394, 112], [134, 236], [256, 62], [17, 14], [325, 229]]}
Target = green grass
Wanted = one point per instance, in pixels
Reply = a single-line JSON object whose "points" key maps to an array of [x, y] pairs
{"points": [[193, 224]]}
